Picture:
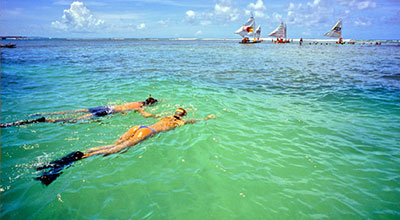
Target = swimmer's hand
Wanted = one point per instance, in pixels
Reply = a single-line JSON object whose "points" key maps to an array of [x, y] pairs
{"points": [[210, 117]]}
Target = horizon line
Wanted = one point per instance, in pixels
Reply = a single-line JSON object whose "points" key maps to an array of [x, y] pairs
{"points": [[171, 38]]}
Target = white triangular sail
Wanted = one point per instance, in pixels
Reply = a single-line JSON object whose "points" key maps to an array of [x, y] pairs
{"points": [[336, 30], [279, 32], [247, 28], [258, 32]]}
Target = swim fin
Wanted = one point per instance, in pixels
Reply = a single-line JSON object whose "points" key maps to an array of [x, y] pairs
{"points": [[56, 166]]}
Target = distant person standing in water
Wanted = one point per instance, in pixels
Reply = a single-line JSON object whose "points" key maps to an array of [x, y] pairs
{"points": [[132, 137], [301, 41], [94, 112]]}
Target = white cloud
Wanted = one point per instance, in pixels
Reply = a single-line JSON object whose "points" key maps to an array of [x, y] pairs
{"points": [[190, 16], [198, 33], [78, 19], [257, 9], [141, 26], [276, 17], [313, 4], [223, 13], [163, 22], [366, 5], [258, 6], [195, 18], [223, 10], [205, 23], [363, 22], [318, 12], [312, 13], [293, 7], [359, 4]]}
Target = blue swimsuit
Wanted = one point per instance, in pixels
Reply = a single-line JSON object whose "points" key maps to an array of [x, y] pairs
{"points": [[142, 126], [101, 110]]}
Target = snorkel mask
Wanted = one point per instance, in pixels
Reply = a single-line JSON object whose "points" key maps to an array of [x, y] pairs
{"points": [[150, 101]]}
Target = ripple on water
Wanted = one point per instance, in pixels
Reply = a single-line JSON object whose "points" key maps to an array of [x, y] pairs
{"points": [[313, 137]]}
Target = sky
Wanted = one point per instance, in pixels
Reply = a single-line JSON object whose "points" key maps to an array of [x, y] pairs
{"points": [[362, 19]]}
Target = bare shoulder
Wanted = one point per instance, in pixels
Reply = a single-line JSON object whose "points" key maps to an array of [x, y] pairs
{"points": [[128, 106]]}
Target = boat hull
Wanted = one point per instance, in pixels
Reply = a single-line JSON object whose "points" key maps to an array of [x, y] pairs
{"points": [[9, 45], [251, 42]]}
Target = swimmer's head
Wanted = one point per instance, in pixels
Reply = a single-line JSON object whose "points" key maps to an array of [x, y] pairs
{"points": [[150, 101], [180, 112]]}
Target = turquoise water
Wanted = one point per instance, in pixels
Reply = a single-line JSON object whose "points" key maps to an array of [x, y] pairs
{"points": [[307, 132]]}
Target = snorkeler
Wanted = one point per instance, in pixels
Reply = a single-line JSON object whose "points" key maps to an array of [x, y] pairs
{"points": [[132, 137], [91, 113]]}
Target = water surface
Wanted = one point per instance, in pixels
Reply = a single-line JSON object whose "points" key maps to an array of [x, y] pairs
{"points": [[307, 132]]}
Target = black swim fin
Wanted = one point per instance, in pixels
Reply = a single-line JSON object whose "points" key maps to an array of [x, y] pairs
{"points": [[56, 166], [41, 119], [47, 178]]}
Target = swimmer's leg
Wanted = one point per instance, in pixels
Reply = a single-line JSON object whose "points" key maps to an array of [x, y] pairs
{"points": [[140, 135], [43, 119], [64, 112], [94, 150], [31, 121], [56, 166], [100, 151], [70, 120]]}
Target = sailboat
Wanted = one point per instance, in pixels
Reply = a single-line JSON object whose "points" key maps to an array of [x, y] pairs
{"points": [[336, 32], [280, 33], [247, 29]]}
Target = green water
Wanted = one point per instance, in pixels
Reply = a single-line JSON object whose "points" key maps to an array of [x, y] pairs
{"points": [[306, 132]]}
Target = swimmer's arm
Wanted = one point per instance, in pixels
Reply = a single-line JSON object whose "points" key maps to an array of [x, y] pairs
{"points": [[146, 114], [192, 121]]}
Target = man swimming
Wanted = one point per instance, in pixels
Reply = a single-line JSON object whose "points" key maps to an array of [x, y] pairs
{"points": [[98, 111], [132, 137]]}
